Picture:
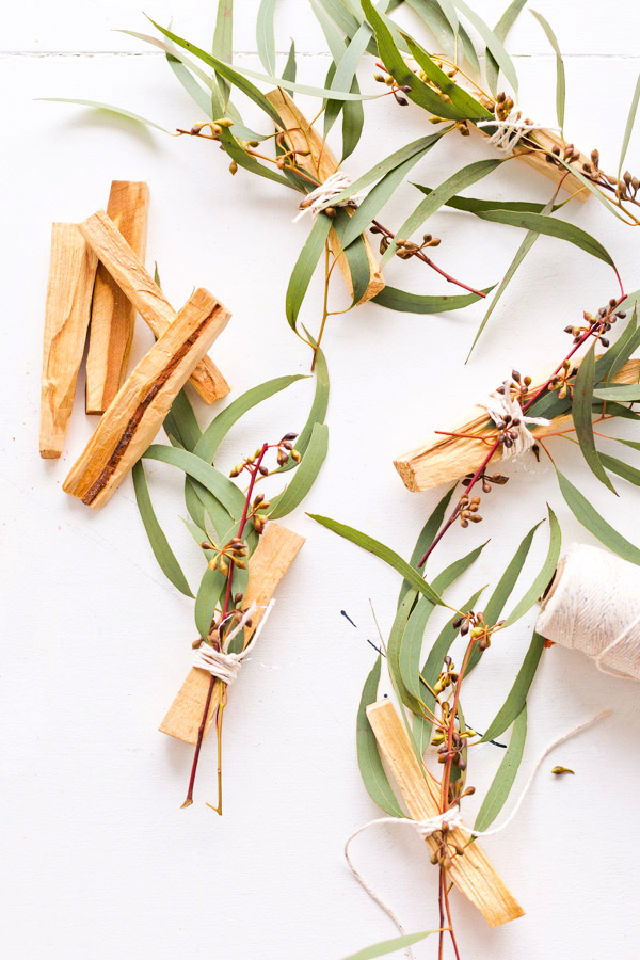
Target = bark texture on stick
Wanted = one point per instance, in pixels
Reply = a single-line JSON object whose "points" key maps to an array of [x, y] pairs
{"points": [[321, 163], [472, 873], [442, 459], [277, 549], [112, 313], [136, 413], [140, 288], [72, 271]]}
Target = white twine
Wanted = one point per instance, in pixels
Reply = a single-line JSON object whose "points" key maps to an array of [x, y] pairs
{"points": [[453, 820], [500, 406], [594, 606], [226, 666], [510, 131], [319, 198]]}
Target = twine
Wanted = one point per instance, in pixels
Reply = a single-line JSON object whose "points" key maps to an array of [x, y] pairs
{"points": [[226, 666], [322, 196], [594, 606], [508, 132], [452, 819], [503, 407]]}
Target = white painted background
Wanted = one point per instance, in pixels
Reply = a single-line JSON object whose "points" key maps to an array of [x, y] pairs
{"points": [[98, 861]]}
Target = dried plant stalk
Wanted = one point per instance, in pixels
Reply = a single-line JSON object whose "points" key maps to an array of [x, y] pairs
{"points": [[442, 459], [277, 549], [72, 271], [549, 141], [112, 313], [144, 293], [136, 413], [321, 163], [472, 873]]}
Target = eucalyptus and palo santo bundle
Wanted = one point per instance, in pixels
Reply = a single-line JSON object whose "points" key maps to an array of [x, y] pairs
{"points": [[244, 551]]}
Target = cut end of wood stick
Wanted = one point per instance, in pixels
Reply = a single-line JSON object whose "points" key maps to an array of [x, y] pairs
{"points": [[112, 313], [318, 160], [72, 271], [145, 295], [444, 458], [472, 873], [277, 549], [136, 413]]}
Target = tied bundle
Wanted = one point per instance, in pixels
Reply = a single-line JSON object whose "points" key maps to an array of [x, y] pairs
{"points": [[593, 606]]}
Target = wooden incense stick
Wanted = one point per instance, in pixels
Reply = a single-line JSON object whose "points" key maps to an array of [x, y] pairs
{"points": [[550, 140], [276, 551], [442, 459], [146, 296], [72, 271], [112, 313], [472, 873], [136, 413], [321, 163]]}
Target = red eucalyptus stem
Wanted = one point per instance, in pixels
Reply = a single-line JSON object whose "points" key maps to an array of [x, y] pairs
{"points": [[225, 610]]}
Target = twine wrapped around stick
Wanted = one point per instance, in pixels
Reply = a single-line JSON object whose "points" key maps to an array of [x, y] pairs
{"points": [[593, 606]]}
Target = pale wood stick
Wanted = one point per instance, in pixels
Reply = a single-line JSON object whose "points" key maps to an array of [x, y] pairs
{"points": [[276, 551], [112, 313], [321, 163], [442, 459], [472, 873], [136, 413], [72, 271], [146, 296]]}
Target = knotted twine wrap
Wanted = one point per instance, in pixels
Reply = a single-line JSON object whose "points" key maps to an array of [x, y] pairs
{"points": [[594, 606], [453, 820], [318, 199], [226, 666], [499, 406], [509, 132]]}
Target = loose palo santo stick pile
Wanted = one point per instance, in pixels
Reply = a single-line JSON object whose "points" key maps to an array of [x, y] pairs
{"points": [[97, 281]]}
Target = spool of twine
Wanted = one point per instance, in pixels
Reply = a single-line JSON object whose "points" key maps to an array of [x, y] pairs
{"points": [[593, 606]]}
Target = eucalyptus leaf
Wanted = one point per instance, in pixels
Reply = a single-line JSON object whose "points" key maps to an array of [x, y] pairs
{"points": [[394, 299], [631, 119], [560, 78], [305, 475], [181, 422], [290, 69], [381, 551], [220, 486], [464, 102], [304, 268], [549, 227], [492, 43], [207, 597], [622, 393], [622, 469], [506, 583], [159, 544], [517, 698], [426, 536], [386, 947], [369, 760], [500, 788], [586, 514], [501, 30], [545, 574], [108, 108], [582, 419], [265, 39]]}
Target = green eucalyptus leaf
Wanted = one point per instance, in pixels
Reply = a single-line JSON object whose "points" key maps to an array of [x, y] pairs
{"points": [[356, 254], [547, 570], [631, 119], [159, 544], [305, 475], [466, 104], [582, 419], [560, 78], [381, 551], [305, 266], [501, 30], [506, 583], [492, 43], [586, 514], [217, 430], [207, 597], [220, 486], [622, 469], [517, 698], [108, 108], [500, 788], [549, 227], [265, 39], [181, 422], [476, 205], [448, 188], [290, 69], [426, 536], [406, 302], [386, 947], [233, 149], [622, 393], [369, 760], [317, 411]]}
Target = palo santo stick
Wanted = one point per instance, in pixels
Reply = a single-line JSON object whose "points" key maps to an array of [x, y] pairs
{"points": [[146, 296], [136, 413], [321, 163], [276, 551], [72, 271], [445, 458], [112, 313], [472, 873]]}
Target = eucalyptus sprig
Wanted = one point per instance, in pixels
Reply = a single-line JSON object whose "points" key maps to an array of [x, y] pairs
{"points": [[227, 519]]}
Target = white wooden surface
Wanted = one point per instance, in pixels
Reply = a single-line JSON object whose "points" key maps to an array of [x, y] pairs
{"points": [[97, 858]]}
